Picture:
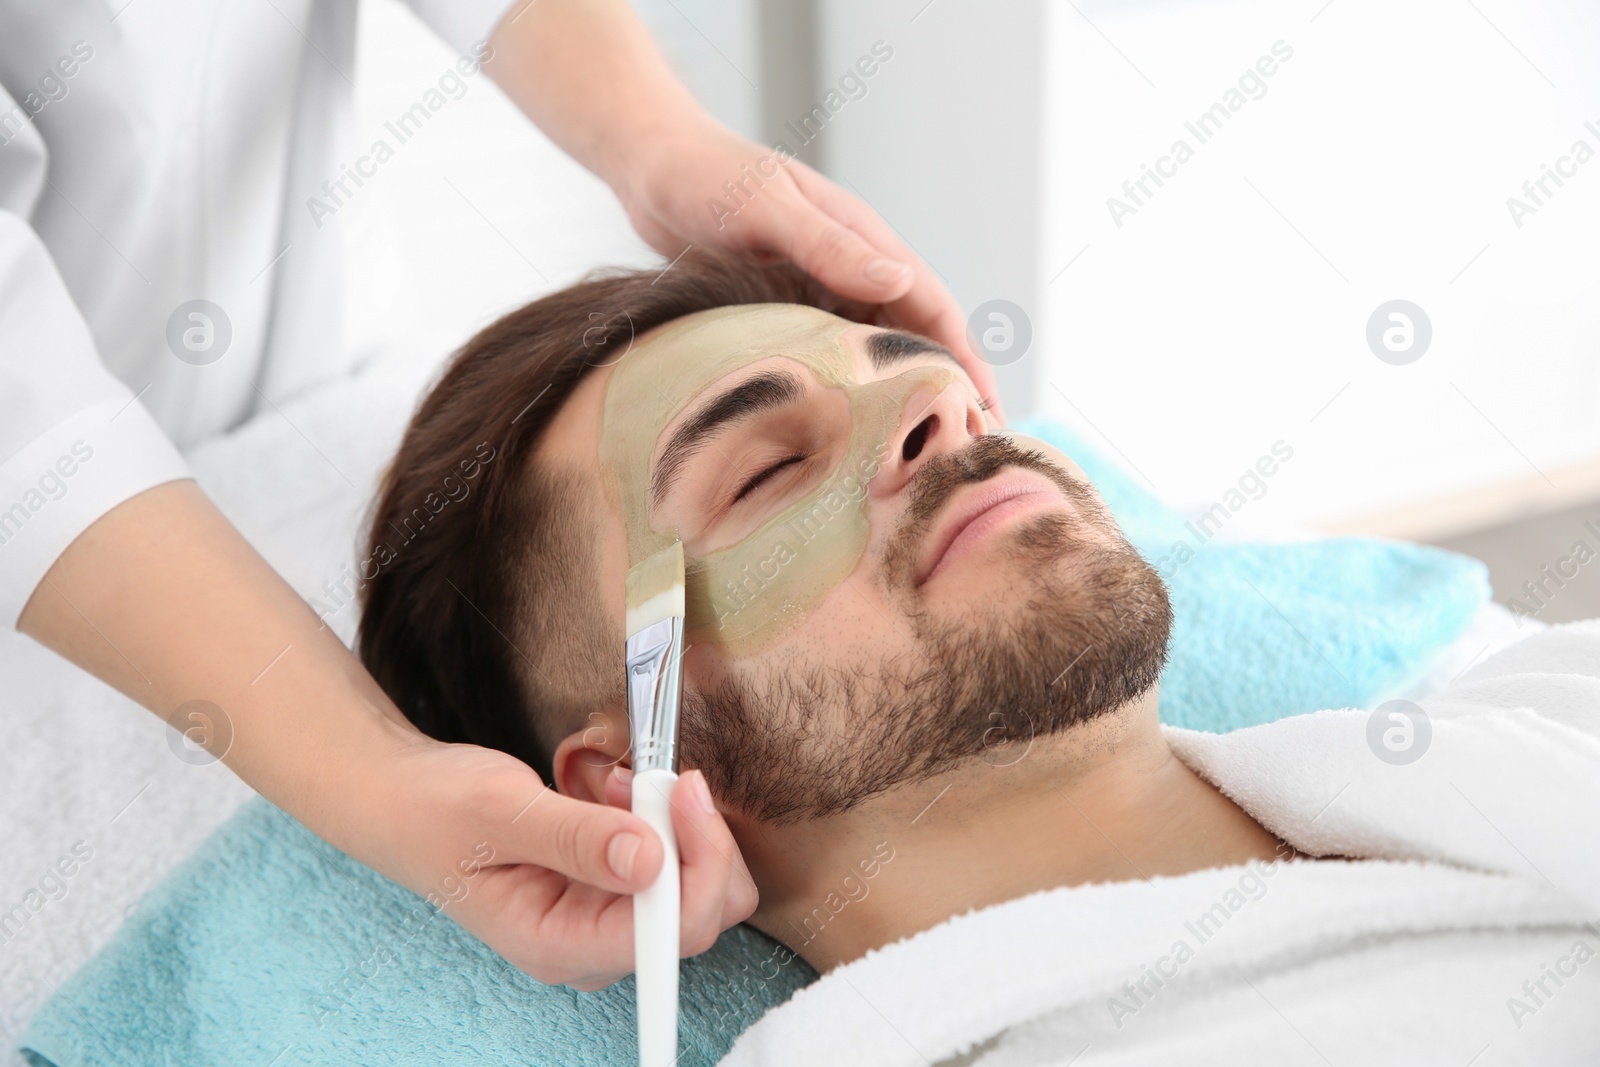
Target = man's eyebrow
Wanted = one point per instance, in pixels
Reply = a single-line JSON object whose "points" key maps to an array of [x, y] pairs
{"points": [[758, 393], [896, 346]]}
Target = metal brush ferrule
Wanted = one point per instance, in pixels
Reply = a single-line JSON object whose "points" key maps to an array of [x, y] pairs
{"points": [[655, 666]]}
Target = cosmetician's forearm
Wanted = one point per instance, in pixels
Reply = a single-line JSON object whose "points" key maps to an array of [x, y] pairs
{"points": [[589, 75], [164, 600]]}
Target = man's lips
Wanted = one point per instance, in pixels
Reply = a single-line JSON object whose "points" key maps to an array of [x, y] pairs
{"points": [[976, 510]]}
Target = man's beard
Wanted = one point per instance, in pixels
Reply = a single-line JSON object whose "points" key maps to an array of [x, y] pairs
{"points": [[1061, 647]]}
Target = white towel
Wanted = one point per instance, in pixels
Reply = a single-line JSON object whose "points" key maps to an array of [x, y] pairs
{"points": [[1465, 937]]}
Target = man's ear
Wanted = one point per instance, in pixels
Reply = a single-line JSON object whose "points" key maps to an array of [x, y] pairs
{"points": [[584, 758]]}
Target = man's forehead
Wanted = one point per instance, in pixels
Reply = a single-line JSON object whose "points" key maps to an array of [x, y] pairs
{"points": [[685, 355], [666, 365]]}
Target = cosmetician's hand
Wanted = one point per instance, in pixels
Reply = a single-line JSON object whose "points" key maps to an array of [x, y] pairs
{"points": [[544, 879], [676, 178]]}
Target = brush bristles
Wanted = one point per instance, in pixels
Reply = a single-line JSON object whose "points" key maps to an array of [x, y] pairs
{"points": [[655, 588]]}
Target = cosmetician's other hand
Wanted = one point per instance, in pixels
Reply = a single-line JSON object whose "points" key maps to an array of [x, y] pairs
{"points": [[675, 196]]}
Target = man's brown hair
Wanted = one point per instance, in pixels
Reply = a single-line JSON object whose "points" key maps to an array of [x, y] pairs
{"points": [[481, 622]]}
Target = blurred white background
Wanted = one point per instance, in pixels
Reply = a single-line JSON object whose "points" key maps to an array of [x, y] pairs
{"points": [[1231, 311]]}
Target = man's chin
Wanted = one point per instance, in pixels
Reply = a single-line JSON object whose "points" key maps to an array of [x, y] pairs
{"points": [[1056, 591]]}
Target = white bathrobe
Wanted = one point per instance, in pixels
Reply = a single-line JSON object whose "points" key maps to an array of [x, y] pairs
{"points": [[1467, 935]]}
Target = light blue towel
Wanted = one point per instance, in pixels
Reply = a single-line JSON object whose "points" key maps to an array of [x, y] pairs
{"points": [[1262, 631], [268, 947]]}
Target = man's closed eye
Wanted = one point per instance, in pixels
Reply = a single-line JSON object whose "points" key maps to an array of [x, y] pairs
{"points": [[760, 479]]}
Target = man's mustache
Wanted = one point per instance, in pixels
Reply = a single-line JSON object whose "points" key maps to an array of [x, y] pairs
{"points": [[937, 480]]}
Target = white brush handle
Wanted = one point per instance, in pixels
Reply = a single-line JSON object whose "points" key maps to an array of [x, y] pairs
{"points": [[655, 927]]}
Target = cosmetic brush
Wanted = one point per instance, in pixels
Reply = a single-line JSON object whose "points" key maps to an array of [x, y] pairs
{"points": [[654, 660]]}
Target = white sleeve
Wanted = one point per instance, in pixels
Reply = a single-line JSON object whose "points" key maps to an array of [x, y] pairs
{"points": [[74, 441], [463, 23]]}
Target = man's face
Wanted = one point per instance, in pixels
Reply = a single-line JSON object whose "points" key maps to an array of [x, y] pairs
{"points": [[876, 579]]}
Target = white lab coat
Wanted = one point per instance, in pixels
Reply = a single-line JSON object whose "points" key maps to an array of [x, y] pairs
{"points": [[155, 152]]}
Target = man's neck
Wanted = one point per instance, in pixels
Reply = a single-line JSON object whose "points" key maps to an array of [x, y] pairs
{"points": [[1104, 801]]}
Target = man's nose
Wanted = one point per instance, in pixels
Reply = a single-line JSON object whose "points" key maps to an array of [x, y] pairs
{"points": [[934, 421]]}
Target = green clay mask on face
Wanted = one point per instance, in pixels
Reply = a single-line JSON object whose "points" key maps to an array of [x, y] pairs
{"points": [[747, 595]]}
